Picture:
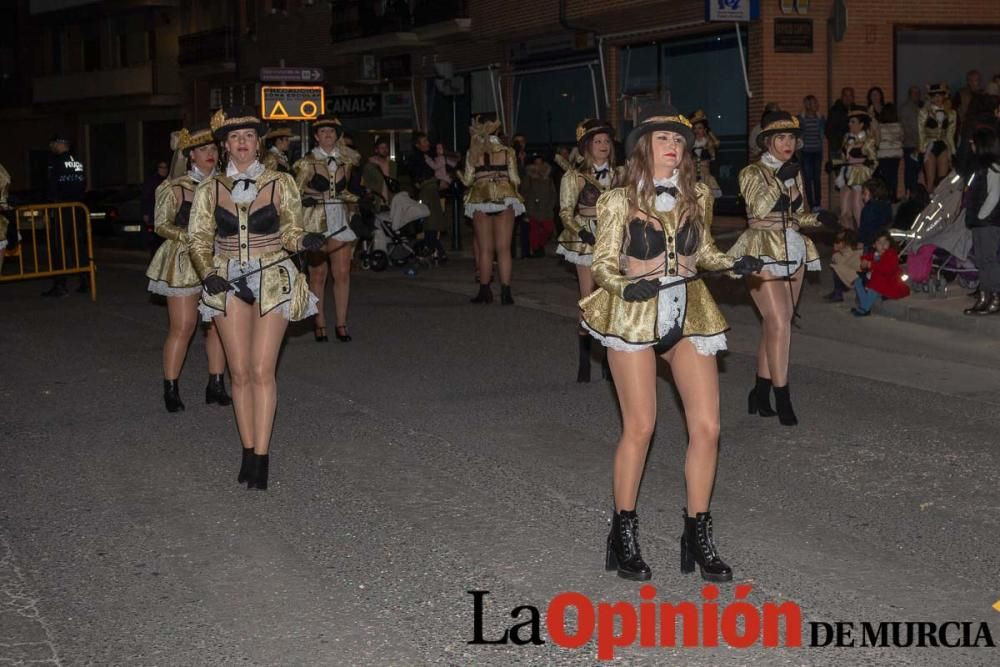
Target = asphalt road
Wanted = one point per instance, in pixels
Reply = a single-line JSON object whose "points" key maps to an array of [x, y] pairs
{"points": [[447, 449]]}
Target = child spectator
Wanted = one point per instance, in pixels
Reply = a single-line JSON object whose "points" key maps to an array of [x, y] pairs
{"points": [[884, 277], [540, 201], [844, 264], [876, 215]]}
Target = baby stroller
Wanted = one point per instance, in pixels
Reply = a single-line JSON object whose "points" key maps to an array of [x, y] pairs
{"points": [[393, 237], [939, 245]]}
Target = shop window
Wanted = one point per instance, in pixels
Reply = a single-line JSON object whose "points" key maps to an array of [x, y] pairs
{"points": [[548, 105], [933, 55]]}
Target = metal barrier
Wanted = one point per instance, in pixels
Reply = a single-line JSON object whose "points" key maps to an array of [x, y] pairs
{"points": [[56, 240]]}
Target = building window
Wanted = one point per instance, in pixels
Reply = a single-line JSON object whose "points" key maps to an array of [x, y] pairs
{"points": [[57, 52], [548, 105], [91, 53], [121, 50]]}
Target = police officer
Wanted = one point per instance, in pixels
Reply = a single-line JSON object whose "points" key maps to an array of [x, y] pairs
{"points": [[66, 183]]}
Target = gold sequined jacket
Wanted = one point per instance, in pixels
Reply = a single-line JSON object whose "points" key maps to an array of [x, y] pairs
{"points": [[606, 311], [311, 173], [172, 263], [927, 135], [496, 182], [575, 191], [280, 283], [860, 172], [761, 191], [276, 160]]}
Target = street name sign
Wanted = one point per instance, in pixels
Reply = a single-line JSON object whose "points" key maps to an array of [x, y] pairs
{"points": [[291, 74], [291, 102]]}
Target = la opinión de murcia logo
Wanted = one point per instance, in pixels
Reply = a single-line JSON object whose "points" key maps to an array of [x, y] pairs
{"points": [[738, 624]]}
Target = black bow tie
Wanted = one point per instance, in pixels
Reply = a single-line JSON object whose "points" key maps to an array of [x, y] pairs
{"points": [[669, 189], [247, 182], [601, 173], [331, 159]]}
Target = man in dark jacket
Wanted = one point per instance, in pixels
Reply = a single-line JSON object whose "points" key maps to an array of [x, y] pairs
{"points": [[425, 184], [66, 182], [836, 120]]}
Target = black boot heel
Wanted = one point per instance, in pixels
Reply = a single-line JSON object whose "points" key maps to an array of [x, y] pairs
{"points": [[698, 546], [506, 299], [583, 366], [783, 401], [258, 478], [485, 295], [246, 466], [623, 548], [215, 392], [759, 400], [172, 396]]}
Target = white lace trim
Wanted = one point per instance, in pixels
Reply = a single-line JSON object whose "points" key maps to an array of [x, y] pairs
{"points": [[796, 254], [495, 207], [236, 269], [574, 257], [671, 304], [704, 345], [336, 222], [243, 193]]}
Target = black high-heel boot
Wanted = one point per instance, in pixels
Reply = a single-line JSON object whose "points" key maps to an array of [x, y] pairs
{"points": [[982, 298], [505, 297], [583, 365], [258, 472], [485, 295], [623, 553], [783, 402], [246, 465], [759, 400], [215, 392], [698, 546], [172, 396]]}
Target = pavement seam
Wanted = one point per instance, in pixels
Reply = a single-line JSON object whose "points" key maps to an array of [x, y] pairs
{"points": [[26, 605]]}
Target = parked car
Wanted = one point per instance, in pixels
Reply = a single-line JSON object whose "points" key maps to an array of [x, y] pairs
{"points": [[116, 217]]}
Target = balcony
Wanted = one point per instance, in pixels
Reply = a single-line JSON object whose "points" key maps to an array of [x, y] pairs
{"points": [[46, 6], [210, 51], [102, 83], [365, 27]]}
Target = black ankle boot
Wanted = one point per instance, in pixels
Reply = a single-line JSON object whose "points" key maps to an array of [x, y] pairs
{"points": [[485, 295], [583, 367], [172, 396], [992, 305], [759, 400], [698, 546], [246, 466], [505, 298], [215, 392], [623, 553], [982, 298], [783, 402], [258, 473]]}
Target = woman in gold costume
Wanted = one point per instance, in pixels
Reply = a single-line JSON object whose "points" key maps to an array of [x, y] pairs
{"points": [[773, 191], [278, 140], [322, 176], [243, 225], [653, 234], [936, 123], [581, 186], [172, 275], [859, 154], [492, 201], [705, 149]]}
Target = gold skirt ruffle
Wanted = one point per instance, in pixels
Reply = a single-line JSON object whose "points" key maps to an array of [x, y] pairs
{"points": [[171, 264], [769, 243]]}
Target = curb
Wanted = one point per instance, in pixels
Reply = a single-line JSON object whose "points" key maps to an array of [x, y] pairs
{"points": [[944, 314]]}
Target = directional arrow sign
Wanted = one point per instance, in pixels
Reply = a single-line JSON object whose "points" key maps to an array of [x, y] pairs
{"points": [[291, 102], [291, 74]]}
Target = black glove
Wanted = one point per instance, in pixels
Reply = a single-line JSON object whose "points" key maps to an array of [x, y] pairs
{"points": [[12, 238], [587, 237], [313, 241], [828, 219], [856, 152], [309, 202], [216, 284], [641, 290], [748, 264], [788, 171]]}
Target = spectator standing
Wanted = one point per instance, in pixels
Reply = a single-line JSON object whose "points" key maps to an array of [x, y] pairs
{"points": [[813, 125], [908, 112], [963, 98], [836, 120], [420, 165], [379, 173], [982, 216], [540, 201], [890, 150], [66, 182]]}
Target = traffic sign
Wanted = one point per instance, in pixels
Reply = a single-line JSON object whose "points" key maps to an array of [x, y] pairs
{"points": [[291, 74], [291, 102]]}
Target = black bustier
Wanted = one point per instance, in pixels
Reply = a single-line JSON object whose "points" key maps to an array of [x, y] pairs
{"points": [[588, 195], [319, 183], [183, 215], [783, 205], [647, 242], [264, 220]]}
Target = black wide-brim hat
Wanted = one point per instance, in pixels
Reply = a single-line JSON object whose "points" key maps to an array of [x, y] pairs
{"points": [[230, 119], [777, 122], [660, 117], [199, 136], [329, 121], [591, 127]]}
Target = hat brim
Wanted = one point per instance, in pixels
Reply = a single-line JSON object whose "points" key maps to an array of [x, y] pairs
{"points": [[669, 126], [797, 132], [221, 133], [186, 151], [593, 132]]}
